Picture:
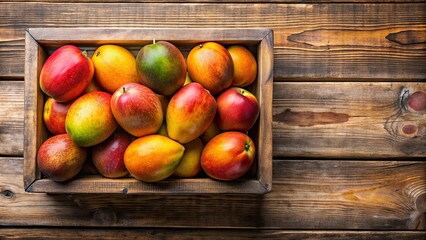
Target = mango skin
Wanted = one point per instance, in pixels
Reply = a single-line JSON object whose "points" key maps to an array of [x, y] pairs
{"points": [[190, 165], [66, 73], [161, 67], [212, 131], [137, 109], [89, 120], [115, 66], [245, 66], [153, 158], [190, 112], [211, 65], [54, 114], [60, 159], [107, 157], [228, 156]]}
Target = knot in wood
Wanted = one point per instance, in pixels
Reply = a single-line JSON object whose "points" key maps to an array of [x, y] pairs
{"points": [[8, 194], [105, 216]]}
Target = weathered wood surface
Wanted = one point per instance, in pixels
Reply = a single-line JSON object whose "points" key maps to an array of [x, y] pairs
{"points": [[11, 118], [347, 120], [311, 119], [312, 41], [222, 1], [207, 234], [381, 44], [306, 194]]}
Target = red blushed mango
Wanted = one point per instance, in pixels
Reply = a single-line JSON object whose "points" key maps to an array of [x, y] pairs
{"points": [[66, 73], [137, 109], [108, 156], [153, 158], [89, 120], [237, 110], [54, 114], [228, 156], [60, 159], [190, 112], [115, 66], [245, 66], [211, 65]]}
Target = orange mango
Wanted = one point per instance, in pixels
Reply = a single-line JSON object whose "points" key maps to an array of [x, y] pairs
{"points": [[153, 158], [114, 67], [190, 112], [190, 165]]}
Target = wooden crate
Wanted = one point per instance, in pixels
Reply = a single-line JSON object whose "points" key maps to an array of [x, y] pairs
{"points": [[40, 42]]}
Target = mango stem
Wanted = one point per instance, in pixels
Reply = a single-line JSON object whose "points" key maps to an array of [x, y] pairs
{"points": [[84, 52]]}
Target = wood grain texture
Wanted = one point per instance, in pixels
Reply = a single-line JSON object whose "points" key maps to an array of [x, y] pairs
{"points": [[305, 195], [11, 117], [207, 234], [220, 1], [312, 41], [347, 120]]}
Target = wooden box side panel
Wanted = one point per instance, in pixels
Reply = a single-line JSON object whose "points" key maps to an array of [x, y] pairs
{"points": [[96, 184], [264, 94], [141, 36], [34, 130]]}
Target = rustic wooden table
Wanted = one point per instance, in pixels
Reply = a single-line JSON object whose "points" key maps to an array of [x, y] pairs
{"points": [[343, 167]]}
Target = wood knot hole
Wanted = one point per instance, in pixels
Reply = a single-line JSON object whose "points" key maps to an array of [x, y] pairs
{"points": [[416, 102], [409, 129], [421, 202], [105, 216], [8, 194]]}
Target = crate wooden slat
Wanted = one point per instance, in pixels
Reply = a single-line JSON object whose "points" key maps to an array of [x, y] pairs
{"points": [[205, 234], [41, 41]]}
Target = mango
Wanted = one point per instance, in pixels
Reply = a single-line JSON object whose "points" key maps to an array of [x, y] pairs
{"points": [[211, 65], [89, 120], [190, 112], [115, 66], [66, 73], [161, 67], [190, 165], [60, 159], [153, 158]]}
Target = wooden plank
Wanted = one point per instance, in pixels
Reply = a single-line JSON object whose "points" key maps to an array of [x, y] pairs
{"points": [[312, 41], [372, 111], [207, 234], [11, 117], [223, 1], [99, 184], [347, 120], [34, 130], [306, 194]]}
